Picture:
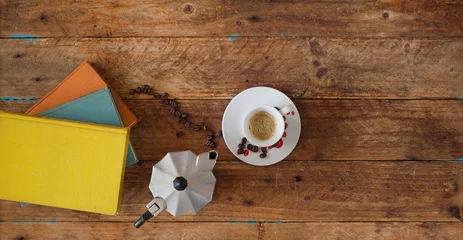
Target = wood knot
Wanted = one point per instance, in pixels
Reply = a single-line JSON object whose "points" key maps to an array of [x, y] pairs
{"points": [[455, 212], [229, 198], [316, 48], [43, 17], [316, 63], [307, 198], [269, 180], [322, 72], [18, 55], [385, 15], [333, 189], [188, 9], [37, 79], [20, 238], [238, 23], [249, 203], [254, 19]]}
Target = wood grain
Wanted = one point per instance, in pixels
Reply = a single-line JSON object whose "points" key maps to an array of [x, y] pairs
{"points": [[217, 68], [238, 230], [354, 231], [149, 231], [359, 18], [331, 129], [329, 191]]}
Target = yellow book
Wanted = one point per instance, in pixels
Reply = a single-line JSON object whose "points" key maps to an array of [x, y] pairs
{"points": [[62, 163]]}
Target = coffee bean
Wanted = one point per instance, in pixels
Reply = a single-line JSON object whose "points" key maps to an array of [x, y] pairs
{"points": [[184, 116], [178, 114], [144, 90], [263, 155], [297, 179], [241, 146], [240, 151], [187, 124], [244, 140], [157, 96], [146, 86], [174, 103], [212, 145], [197, 128], [150, 91], [204, 127], [207, 143], [209, 137], [250, 147], [179, 134], [132, 92], [172, 111], [182, 120], [164, 96], [165, 101], [138, 90], [210, 133], [255, 149], [264, 149], [219, 134]]}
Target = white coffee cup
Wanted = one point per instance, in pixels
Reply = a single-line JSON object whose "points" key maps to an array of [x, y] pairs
{"points": [[279, 121]]}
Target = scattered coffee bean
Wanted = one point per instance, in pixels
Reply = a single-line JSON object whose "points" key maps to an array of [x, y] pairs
{"points": [[209, 137], [297, 179], [264, 149], [132, 92], [263, 155], [187, 124], [204, 127], [244, 140], [250, 146], [179, 134], [164, 96], [255, 149], [150, 91], [146, 86], [219, 134], [197, 128], [184, 116], [212, 145], [172, 111], [178, 114], [182, 120], [174, 103], [138, 90], [240, 151], [144, 90], [241, 146], [207, 143], [157, 96], [210, 133]]}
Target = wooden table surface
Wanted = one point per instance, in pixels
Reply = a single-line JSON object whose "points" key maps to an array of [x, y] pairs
{"points": [[379, 85]]}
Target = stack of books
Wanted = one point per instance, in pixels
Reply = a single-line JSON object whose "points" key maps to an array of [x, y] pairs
{"points": [[70, 149]]}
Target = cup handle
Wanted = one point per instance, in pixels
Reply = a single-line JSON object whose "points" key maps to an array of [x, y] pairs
{"points": [[286, 110]]}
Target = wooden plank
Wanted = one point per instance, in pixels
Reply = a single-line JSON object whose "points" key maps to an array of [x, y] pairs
{"points": [[339, 18], [331, 129], [218, 68], [354, 231], [329, 191], [250, 230], [107, 230]]}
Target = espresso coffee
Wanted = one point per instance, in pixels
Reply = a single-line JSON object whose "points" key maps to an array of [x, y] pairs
{"points": [[262, 125]]}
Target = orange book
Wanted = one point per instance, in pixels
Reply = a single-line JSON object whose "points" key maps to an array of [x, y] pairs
{"points": [[81, 82]]}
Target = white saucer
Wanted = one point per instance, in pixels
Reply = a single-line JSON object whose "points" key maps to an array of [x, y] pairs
{"points": [[236, 111]]}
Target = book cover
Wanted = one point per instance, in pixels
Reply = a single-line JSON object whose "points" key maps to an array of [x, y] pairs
{"points": [[82, 81], [98, 107], [62, 163]]}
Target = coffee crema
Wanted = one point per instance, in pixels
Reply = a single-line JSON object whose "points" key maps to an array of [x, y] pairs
{"points": [[262, 125]]}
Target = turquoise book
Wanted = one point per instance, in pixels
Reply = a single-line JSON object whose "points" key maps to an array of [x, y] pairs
{"points": [[98, 107]]}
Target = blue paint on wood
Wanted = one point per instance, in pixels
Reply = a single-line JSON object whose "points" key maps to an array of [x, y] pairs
{"points": [[282, 35], [461, 159], [233, 37], [278, 222], [25, 37], [28, 99], [23, 204]]}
